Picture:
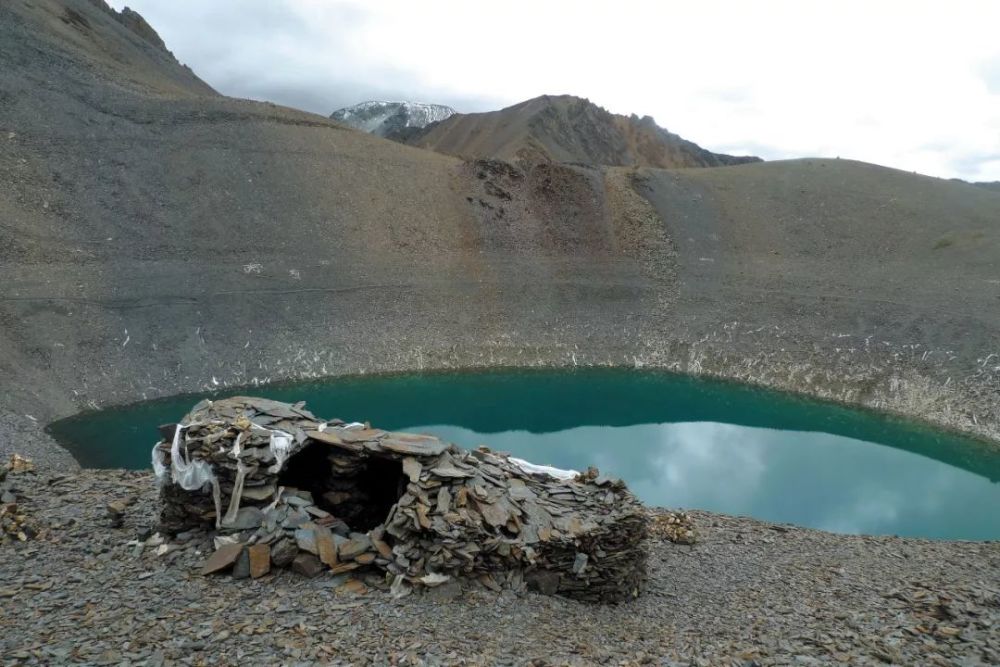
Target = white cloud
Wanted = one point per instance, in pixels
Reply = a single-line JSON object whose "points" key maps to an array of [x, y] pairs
{"points": [[873, 81]]}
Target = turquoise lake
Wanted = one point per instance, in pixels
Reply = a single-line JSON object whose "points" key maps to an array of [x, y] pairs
{"points": [[678, 441]]}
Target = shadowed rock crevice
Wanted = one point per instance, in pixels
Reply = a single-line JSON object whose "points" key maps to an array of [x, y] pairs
{"points": [[361, 497]]}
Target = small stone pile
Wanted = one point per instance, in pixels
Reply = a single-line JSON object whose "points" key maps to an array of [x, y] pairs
{"points": [[283, 488], [676, 527], [15, 524]]}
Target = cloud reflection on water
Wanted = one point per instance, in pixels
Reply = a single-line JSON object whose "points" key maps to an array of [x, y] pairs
{"points": [[806, 478]]}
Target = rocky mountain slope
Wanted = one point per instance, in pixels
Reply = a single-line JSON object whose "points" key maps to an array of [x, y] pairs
{"points": [[125, 45], [564, 128], [156, 237], [395, 120], [133, 21]]}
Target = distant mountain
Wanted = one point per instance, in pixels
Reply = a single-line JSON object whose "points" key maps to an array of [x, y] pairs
{"points": [[565, 128], [395, 120], [990, 185]]}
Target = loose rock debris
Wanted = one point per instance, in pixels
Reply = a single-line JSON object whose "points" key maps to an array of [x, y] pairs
{"points": [[282, 488]]}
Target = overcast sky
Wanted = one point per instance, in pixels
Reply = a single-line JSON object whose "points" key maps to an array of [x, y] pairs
{"points": [[913, 85]]}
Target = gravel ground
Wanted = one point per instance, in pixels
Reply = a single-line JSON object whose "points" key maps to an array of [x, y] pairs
{"points": [[23, 435], [748, 593]]}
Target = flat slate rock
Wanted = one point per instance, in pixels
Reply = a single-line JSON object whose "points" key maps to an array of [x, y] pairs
{"points": [[414, 445], [449, 470], [241, 568], [326, 547], [359, 434], [307, 565], [330, 438], [223, 558], [259, 556]]}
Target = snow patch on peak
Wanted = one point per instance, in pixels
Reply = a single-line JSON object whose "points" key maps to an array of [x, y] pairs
{"points": [[387, 118]]}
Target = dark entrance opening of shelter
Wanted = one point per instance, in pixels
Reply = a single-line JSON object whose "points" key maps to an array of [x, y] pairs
{"points": [[359, 491]]}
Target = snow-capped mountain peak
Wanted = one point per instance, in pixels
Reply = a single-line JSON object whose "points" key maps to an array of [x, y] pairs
{"points": [[391, 118]]}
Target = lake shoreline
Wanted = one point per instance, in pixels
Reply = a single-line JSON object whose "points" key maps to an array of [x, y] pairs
{"points": [[670, 437], [926, 392]]}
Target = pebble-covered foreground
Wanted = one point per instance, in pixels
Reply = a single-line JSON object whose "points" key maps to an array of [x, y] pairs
{"points": [[747, 593]]}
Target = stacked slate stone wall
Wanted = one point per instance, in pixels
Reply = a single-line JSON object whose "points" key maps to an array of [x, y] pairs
{"points": [[328, 495]]}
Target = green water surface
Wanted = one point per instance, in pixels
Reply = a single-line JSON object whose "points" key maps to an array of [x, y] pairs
{"points": [[678, 442]]}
